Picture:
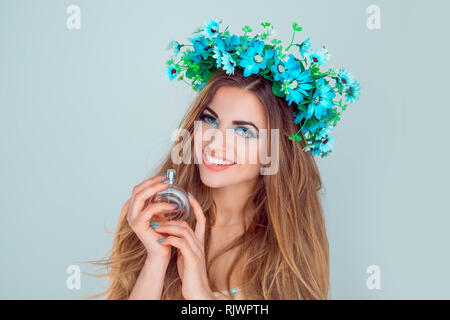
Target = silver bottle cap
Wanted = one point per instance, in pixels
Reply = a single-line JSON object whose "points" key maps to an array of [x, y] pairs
{"points": [[171, 176]]}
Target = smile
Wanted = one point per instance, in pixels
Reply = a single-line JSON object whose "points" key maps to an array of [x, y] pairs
{"points": [[216, 164]]}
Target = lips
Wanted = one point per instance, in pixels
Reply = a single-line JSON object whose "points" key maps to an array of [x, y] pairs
{"points": [[213, 166]]}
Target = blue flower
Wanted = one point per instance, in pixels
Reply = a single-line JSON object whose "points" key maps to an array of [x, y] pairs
{"points": [[299, 116], [293, 67], [345, 77], [318, 57], [175, 46], [200, 48], [253, 59], [218, 56], [310, 125], [321, 100], [279, 69], [352, 92], [228, 63], [171, 72], [305, 47], [228, 44], [211, 28], [299, 82], [298, 87], [223, 46], [315, 151], [327, 144], [199, 84], [323, 133]]}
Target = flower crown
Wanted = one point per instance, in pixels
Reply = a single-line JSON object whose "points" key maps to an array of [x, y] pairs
{"points": [[318, 96]]}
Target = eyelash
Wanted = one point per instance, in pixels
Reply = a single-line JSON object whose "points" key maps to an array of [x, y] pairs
{"points": [[206, 117]]}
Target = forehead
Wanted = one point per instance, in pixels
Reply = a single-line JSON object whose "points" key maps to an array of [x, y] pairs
{"points": [[232, 103]]}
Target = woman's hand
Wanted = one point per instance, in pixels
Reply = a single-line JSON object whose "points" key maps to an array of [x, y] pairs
{"points": [[191, 262], [139, 217]]}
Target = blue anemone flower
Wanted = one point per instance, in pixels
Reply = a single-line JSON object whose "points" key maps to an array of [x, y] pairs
{"points": [[324, 132], [345, 77], [315, 151], [299, 116], [198, 84], [227, 44], [175, 46], [298, 81], [228, 63], [352, 92], [298, 87], [321, 100], [318, 57], [327, 144], [171, 72], [279, 70], [310, 126], [305, 47], [211, 28], [200, 47], [217, 56], [253, 59], [293, 67]]}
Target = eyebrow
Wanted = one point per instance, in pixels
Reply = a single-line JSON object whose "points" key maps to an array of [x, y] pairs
{"points": [[238, 122]]}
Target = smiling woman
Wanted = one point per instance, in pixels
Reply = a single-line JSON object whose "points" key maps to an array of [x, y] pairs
{"points": [[260, 235]]}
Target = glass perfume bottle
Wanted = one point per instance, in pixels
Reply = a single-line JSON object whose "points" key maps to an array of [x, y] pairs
{"points": [[175, 195]]}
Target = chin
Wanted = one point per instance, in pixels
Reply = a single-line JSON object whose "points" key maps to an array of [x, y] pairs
{"points": [[215, 179], [232, 176]]}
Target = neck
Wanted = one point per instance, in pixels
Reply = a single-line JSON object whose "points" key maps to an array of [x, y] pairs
{"points": [[230, 201]]}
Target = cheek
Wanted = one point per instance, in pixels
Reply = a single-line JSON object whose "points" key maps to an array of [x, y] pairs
{"points": [[198, 143], [248, 152]]}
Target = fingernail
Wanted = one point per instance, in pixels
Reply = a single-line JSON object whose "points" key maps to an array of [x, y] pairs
{"points": [[191, 195], [155, 225], [160, 240], [165, 181], [153, 222]]}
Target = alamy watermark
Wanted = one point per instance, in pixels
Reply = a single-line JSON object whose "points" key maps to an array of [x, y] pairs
{"points": [[237, 149]]}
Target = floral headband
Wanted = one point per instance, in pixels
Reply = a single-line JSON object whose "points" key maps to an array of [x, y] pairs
{"points": [[317, 96]]}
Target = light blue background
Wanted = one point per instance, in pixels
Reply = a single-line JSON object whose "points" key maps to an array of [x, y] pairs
{"points": [[87, 114]]}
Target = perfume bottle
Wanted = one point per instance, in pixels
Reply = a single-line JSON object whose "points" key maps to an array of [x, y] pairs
{"points": [[175, 195]]}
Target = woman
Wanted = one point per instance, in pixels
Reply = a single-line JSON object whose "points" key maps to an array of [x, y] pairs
{"points": [[262, 236]]}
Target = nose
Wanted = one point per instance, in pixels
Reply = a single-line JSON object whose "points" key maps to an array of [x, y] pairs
{"points": [[218, 144]]}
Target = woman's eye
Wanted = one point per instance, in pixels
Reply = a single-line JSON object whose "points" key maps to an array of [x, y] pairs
{"points": [[244, 132], [208, 119]]}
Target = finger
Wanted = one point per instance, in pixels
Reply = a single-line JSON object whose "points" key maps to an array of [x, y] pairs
{"points": [[147, 214], [182, 230], [184, 247], [140, 187], [148, 182], [200, 219], [144, 195]]}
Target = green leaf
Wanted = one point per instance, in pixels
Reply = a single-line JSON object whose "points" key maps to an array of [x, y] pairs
{"points": [[207, 75], [276, 41], [190, 72], [296, 27], [276, 89]]}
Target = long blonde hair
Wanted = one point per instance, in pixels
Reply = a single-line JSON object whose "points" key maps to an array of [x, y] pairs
{"points": [[286, 243]]}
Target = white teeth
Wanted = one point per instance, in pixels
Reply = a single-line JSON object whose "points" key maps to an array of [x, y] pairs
{"points": [[217, 161]]}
